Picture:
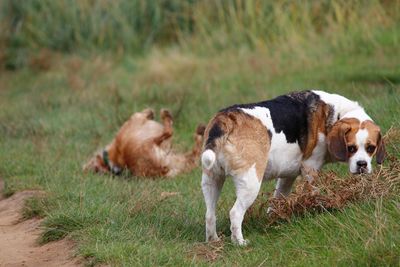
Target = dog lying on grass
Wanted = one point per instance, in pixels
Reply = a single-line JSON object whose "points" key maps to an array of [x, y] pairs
{"points": [[143, 146], [282, 138]]}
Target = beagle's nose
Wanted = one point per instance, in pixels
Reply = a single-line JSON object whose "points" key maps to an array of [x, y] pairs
{"points": [[362, 164]]}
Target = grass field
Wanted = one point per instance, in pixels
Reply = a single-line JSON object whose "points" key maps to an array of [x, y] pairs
{"points": [[57, 110]]}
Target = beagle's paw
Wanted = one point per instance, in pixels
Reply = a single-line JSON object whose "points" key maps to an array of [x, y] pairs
{"points": [[240, 242]]}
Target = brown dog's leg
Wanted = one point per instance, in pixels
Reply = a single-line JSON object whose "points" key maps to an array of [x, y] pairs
{"points": [[166, 118], [149, 113], [186, 162]]}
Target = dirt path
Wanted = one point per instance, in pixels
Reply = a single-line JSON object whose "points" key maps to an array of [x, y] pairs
{"points": [[18, 239]]}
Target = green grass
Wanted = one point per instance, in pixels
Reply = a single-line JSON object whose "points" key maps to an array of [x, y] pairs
{"points": [[48, 129], [35, 207], [52, 121]]}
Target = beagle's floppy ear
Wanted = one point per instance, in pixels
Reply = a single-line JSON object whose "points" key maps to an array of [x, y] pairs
{"points": [[381, 151], [337, 140]]}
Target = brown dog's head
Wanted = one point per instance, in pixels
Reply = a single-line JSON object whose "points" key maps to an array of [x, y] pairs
{"points": [[96, 164], [356, 142], [100, 163]]}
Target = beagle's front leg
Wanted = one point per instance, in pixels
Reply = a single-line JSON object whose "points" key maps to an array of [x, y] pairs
{"points": [[310, 175]]}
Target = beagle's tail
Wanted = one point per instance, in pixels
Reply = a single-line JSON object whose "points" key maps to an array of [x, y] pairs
{"points": [[208, 159]]}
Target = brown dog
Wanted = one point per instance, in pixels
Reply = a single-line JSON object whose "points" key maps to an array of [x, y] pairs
{"points": [[143, 146]]}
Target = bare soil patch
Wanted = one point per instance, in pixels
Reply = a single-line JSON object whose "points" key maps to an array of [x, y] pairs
{"points": [[18, 239]]}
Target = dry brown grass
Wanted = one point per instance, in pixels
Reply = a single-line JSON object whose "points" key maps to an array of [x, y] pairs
{"points": [[165, 68], [43, 60], [74, 79], [331, 191], [208, 252]]}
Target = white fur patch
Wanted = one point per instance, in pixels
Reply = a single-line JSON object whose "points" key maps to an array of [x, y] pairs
{"points": [[263, 114], [317, 158], [247, 187], [208, 159], [361, 154], [343, 107], [211, 188], [358, 114]]}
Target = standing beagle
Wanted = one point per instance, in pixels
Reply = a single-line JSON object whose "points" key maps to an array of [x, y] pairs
{"points": [[282, 138]]}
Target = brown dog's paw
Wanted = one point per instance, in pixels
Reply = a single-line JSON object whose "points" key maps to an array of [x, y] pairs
{"points": [[149, 113], [200, 129], [165, 114]]}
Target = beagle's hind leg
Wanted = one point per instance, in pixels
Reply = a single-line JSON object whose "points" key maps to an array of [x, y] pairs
{"points": [[247, 186], [211, 185]]}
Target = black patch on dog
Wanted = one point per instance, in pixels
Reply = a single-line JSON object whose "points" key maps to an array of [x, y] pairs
{"points": [[289, 113], [214, 133]]}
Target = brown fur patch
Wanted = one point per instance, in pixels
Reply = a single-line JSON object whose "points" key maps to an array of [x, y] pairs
{"points": [[245, 141], [342, 133], [350, 136], [316, 125]]}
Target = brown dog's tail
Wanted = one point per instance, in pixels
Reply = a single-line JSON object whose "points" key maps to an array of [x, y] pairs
{"points": [[194, 154]]}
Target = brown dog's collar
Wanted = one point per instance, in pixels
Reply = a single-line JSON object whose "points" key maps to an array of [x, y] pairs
{"points": [[106, 159], [111, 167]]}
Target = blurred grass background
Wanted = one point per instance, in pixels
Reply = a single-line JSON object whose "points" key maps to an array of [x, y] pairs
{"points": [[135, 26], [72, 71]]}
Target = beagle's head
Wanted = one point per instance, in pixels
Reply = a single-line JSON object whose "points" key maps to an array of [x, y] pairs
{"points": [[357, 143]]}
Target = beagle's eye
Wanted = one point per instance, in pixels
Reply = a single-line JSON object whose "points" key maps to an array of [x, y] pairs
{"points": [[352, 149], [370, 149]]}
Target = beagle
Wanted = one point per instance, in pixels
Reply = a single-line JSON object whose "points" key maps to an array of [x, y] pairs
{"points": [[143, 146], [282, 138]]}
